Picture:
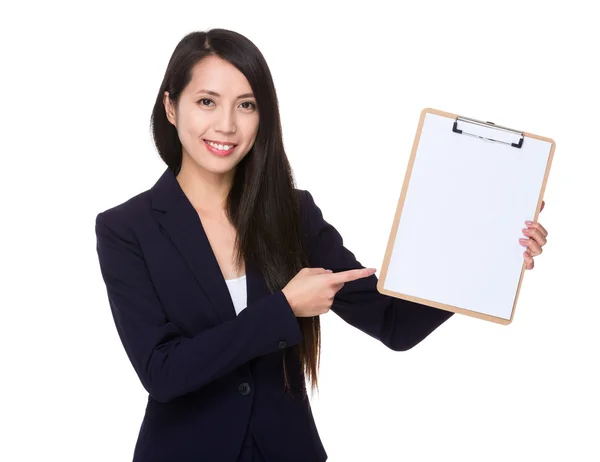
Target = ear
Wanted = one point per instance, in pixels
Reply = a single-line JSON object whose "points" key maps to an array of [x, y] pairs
{"points": [[169, 109]]}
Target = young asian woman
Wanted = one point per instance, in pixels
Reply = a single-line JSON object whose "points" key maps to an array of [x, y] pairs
{"points": [[216, 276]]}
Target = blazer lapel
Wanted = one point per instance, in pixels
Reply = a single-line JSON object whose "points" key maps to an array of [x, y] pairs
{"points": [[181, 222]]}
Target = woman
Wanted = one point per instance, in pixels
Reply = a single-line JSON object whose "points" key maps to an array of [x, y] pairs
{"points": [[217, 275]]}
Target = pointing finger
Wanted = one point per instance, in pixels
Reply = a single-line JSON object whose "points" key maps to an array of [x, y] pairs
{"points": [[352, 275]]}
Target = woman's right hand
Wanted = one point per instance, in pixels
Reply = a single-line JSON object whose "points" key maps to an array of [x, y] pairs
{"points": [[312, 290]]}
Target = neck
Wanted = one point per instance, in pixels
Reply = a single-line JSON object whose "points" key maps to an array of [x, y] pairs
{"points": [[206, 191]]}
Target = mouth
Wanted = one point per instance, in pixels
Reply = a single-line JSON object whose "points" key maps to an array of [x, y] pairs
{"points": [[220, 149]]}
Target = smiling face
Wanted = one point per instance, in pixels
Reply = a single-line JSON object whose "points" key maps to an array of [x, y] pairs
{"points": [[216, 117]]}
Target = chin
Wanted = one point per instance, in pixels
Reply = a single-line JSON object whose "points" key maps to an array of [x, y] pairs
{"points": [[217, 166]]}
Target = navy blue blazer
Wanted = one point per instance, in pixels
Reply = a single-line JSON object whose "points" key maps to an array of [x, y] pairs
{"points": [[214, 378]]}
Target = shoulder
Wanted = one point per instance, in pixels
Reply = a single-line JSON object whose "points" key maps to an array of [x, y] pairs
{"points": [[306, 202], [305, 198], [123, 217], [311, 216]]}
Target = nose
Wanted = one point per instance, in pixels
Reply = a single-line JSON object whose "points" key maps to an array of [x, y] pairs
{"points": [[226, 122]]}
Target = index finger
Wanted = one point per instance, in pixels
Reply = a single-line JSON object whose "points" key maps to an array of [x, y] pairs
{"points": [[537, 225], [352, 275]]}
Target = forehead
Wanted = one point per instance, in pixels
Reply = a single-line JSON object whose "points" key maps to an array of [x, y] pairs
{"points": [[216, 74]]}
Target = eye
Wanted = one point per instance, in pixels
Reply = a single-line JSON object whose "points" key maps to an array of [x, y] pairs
{"points": [[204, 99], [252, 104]]}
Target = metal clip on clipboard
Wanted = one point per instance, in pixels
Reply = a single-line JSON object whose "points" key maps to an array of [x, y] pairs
{"points": [[484, 130]]}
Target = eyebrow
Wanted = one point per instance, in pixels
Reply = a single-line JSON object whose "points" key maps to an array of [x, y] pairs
{"points": [[214, 93]]}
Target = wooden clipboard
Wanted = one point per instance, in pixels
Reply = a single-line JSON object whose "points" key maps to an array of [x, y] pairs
{"points": [[468, 189]]}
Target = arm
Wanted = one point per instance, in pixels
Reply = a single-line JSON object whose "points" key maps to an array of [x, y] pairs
{"points": [[168, 364], [399, 324]]}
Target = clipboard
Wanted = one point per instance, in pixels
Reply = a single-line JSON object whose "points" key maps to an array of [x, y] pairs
{"points": [[469, 187]]}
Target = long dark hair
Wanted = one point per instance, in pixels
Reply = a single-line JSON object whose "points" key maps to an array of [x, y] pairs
{"points": [[262, 204]]}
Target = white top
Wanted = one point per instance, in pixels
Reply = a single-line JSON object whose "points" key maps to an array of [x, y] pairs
{"points": [[237, 290]]}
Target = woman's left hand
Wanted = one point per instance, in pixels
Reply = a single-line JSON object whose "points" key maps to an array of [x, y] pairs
{"points": [[535, 239]]}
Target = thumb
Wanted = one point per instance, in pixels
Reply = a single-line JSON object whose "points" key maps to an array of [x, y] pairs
{"points": [[318, 271]]}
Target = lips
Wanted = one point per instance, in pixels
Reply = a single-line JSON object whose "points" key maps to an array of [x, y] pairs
{"points": [[217, 151], [220, 142]]}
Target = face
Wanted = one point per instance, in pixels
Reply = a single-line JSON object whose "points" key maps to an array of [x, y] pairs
{"points": [[216, 118]]}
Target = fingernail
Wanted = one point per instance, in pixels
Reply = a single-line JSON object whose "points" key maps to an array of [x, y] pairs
{"points": [[529, 222]]}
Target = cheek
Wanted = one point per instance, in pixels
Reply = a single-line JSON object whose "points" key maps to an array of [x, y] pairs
{"points": [[191, 126], [251, 130]]}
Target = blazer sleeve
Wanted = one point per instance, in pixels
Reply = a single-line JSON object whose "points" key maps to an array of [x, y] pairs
{"points": [[399, 324], [169, 364]]}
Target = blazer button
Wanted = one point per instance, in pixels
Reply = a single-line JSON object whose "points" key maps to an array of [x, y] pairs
{"points": [[282, 344], [244, 388]]}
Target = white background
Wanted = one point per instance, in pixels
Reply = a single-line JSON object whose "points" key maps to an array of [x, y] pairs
{"points": [[78, 85]]}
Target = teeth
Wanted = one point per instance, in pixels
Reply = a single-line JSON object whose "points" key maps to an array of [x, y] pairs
{"points": [[222, 147]]}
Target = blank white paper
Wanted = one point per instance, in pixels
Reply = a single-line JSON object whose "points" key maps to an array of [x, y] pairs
{"points": [[457, 241]]}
